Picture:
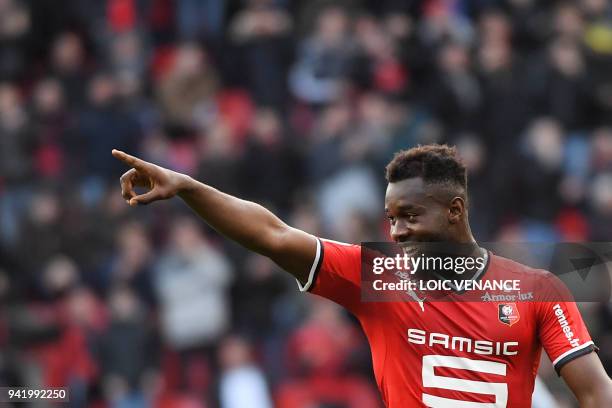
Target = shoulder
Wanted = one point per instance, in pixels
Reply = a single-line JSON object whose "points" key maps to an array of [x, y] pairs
{"points": [[544, 285], [330, 248], [332, 242], [501, 265]]}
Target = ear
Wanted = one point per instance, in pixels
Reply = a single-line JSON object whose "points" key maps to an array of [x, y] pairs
{"points": [[456, 210]]}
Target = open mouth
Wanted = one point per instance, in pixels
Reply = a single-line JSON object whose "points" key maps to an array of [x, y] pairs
{"points": [[412, 248]]}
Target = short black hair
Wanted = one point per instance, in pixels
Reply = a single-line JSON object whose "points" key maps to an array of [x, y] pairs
{"points": [[435, 163]]}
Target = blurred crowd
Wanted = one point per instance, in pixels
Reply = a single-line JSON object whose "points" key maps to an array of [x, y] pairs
{"points": [[297, 105]]}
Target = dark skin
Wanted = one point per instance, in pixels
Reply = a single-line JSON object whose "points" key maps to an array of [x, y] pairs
{"points": [[244, 222], [422, 213], [417, 212]]}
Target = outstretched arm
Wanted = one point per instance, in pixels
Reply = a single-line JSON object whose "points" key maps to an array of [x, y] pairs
{"points": [[244, 222], [588, 381]]}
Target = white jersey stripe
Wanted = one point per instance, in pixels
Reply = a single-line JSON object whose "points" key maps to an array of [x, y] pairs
{"points": [[588, 343], [313, 268]]}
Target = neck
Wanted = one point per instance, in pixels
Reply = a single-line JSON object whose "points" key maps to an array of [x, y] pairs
{"points": [[465, 241], [464, 234]]}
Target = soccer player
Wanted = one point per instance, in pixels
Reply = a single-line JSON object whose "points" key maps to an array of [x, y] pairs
{"points": [[436, 354]]}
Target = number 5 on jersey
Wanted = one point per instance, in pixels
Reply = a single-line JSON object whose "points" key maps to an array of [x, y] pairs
{"points": [[430, 379]]}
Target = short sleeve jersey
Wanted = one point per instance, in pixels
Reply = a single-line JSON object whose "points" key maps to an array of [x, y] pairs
{"points": [[452, 354]]}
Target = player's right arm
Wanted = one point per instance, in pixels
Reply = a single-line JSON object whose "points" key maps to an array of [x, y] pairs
{"points": [[244, 222]]}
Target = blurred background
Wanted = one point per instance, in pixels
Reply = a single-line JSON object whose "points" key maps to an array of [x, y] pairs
{"points": [[297, 105]]}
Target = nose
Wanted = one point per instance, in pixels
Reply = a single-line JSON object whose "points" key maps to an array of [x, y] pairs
{"points": [[400, 232]]}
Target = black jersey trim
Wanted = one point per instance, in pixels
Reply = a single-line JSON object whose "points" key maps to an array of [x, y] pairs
{"points": [[581, 351]]}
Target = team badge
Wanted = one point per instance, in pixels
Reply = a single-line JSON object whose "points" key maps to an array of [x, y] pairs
{"points": [[508, 313]]}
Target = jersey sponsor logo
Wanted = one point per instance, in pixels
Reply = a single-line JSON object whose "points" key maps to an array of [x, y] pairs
{"points": [[567, 330], [487, 297], [463, 344], [508, 313]]}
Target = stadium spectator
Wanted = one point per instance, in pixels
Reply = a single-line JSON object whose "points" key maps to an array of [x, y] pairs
{"points": [[127, 351], [324, 58], [186, 92], [242, 383], [262, 34], [192, 276]]}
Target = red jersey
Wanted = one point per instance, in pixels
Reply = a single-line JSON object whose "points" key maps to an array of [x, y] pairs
{"points": [[453, 354]]}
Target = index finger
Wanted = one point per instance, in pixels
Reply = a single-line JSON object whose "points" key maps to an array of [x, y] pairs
{"points": [[129, 159]]}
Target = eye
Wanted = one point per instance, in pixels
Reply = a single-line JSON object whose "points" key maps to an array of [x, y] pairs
{"points": [[391, 219], [412, 218]]}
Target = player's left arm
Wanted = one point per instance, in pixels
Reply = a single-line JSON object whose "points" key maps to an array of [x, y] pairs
{"points": [[567, 342], [588, 380]]}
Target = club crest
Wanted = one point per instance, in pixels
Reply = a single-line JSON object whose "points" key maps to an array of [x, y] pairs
{"points": [[508, 313]]}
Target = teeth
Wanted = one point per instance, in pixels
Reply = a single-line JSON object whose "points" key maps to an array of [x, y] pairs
{"points": [[406, 244], [409, 249]]}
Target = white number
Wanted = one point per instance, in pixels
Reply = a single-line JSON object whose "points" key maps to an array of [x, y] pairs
{"points": [[430, 379]]}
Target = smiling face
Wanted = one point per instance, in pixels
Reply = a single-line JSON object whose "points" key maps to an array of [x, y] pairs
{"points": [[418, 212], [426, 197]]}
